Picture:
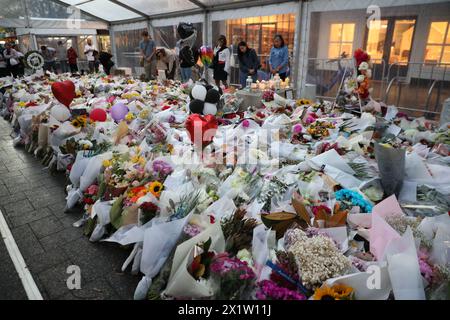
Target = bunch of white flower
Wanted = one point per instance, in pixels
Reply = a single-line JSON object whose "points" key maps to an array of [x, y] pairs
{"points": [[318, 258]]}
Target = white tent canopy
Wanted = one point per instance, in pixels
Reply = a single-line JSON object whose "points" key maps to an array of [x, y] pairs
{"points": [[121, 10]]}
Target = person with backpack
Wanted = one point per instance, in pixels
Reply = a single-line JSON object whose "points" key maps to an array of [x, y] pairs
{"points": [[187, 61]]}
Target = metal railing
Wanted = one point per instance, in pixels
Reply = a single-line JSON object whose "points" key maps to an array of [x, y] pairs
{"points": [[420, 88]]}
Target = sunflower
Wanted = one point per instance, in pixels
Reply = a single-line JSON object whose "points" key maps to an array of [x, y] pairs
{"points": [[76, 123], [155, 188], [303, 102], [336, 292], [343, 292], [325, 293]]}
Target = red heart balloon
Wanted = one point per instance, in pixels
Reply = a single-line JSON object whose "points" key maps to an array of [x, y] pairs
{"points": [[64, 92], [202, 129]]}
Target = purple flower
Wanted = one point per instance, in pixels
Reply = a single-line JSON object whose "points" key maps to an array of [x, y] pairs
{"points": [[269, 290], [161, 167], [192, 230]]}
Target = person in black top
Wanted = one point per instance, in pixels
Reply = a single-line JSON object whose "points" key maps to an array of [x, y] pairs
{"points": [[105, 60], [248, 63]]}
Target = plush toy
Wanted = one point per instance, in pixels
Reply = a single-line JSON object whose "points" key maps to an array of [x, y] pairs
{"points": [[204, 99]]}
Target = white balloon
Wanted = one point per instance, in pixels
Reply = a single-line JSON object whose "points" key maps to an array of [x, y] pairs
{"points": [[210, 108], [199, 92], [60, 113]]}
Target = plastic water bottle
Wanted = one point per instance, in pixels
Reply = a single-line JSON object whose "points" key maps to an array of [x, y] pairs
{"points": [[249, 82]]}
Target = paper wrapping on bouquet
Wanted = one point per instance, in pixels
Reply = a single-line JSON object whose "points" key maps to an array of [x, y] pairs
{"points": [[381, 233], [403, 268], [263, 240], [374, 285], [42, 135], [437, 230], [159, 241], [224, 207], [93, 169], [391, 165], [64, 131], [78, 168], [100, 209], [181, 283]]}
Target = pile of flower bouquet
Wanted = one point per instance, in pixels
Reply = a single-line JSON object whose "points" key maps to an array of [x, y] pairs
{"points": [[271, 203]]}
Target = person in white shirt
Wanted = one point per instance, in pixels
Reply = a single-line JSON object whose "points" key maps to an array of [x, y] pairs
{"points": [[166, 60], [61, 54], [49, 55], [12, 59], [89, 52], [221, 61]]}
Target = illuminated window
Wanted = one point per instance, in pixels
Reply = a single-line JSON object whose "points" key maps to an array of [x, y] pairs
{"points": [[376, 38], [259, 32], [438, 43], [341, 39]]}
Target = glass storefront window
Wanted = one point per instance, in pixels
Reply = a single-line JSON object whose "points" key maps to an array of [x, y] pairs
{"points": [[341, 39], [401, 41], [376, 38], [438, 43], [259, 32], [127, 47]]}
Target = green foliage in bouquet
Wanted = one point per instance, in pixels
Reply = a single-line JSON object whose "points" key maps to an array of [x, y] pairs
{"points": [[116, 212], [272, 189]]}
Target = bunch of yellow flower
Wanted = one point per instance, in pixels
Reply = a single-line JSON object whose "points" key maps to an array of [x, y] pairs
{"points": [[303, 102], [130, 116], [336, 292], [80, 121]]}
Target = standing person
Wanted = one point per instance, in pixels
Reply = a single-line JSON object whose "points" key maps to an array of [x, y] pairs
{"points": [[279, 57], [148, 48], [89, 52], [72, 57], [105, 60], [234, 60], [21, 59], [12, 59], [166, 60], [221, 61], [248, 63], [61, 55], [3, 65], [187, 61], [49, 55]]}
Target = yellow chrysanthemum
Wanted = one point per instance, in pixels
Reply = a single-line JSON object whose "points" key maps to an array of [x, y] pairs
{"points": [[22, 104], [135, 159], [144, 114], [129, 116], [106, 163], [155, 188]]}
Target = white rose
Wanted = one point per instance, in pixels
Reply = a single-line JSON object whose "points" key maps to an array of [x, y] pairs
{"points": [[360, 78], [363, 66]]}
